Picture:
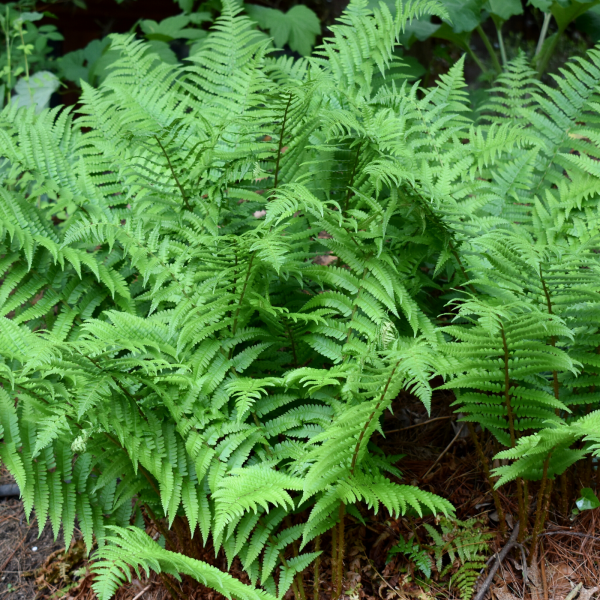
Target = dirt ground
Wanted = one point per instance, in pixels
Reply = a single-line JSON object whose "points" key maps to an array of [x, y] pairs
{"points": [[38, 568]]}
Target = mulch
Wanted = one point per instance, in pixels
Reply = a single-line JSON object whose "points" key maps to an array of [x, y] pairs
{"points": [[40, 569]]}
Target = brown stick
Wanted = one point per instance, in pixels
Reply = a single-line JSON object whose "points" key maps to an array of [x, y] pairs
{"points": [[575, 533], [7, 561], [511, 425], [419, 424], [138, 596], [509, 545]]}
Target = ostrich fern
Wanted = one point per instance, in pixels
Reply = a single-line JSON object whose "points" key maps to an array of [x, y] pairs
{"points": [[174, 347], [164, 350]]}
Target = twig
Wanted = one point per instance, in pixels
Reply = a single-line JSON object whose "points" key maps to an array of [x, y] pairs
{"points": [[10, 557], [383, 578], [575, 533], [419, 424], [509, 545], [137, 596], [446, 450], [574, 591]]}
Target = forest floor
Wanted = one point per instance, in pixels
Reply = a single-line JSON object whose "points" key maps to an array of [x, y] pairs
{"points": [[37, 568]]}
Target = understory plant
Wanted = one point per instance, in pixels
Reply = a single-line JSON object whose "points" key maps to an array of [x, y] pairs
{"points": [[458, 551], [217, 277]]}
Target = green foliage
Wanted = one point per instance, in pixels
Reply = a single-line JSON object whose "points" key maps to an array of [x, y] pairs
{"points": [[467, 17], [218, 277], [414, 553], [458, 552], [25, 49], [525, 355], [165, 343], [298, 27], [466, 544], [587, 501]]}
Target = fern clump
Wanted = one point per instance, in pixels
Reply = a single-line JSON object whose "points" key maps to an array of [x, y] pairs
{"points": [[170, 347], [458, 552], [216, 278]]}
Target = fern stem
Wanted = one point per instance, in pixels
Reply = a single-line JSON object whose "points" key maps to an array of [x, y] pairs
{"points": [[564, 494], [237, 312], [173, 592], [352, 178], [511, 425], [462, 267], [486, 470], [297, 576], [556, 389], [293, 344], [368, 421], [316, 569], [280, 146], [160, 527], [506, 358], [355, 308], [540, 515], [334, 559], [183, 194], [340, 553], [489, 48]]}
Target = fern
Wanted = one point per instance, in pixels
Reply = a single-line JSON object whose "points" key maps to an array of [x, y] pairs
{"points": [[466, 545], [171, 339], [418, 556]]}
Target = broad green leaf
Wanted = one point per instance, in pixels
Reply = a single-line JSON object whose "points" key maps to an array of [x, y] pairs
{"points": [[543, 5], [186, 5], [84, 63], [566, 14], [169, 29], [163, 50], [37, 91], [505, 9], [298, 27], [588, 500], [31, 16], [445, 32], [464, 15], [589, 23], [418, 29]]}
